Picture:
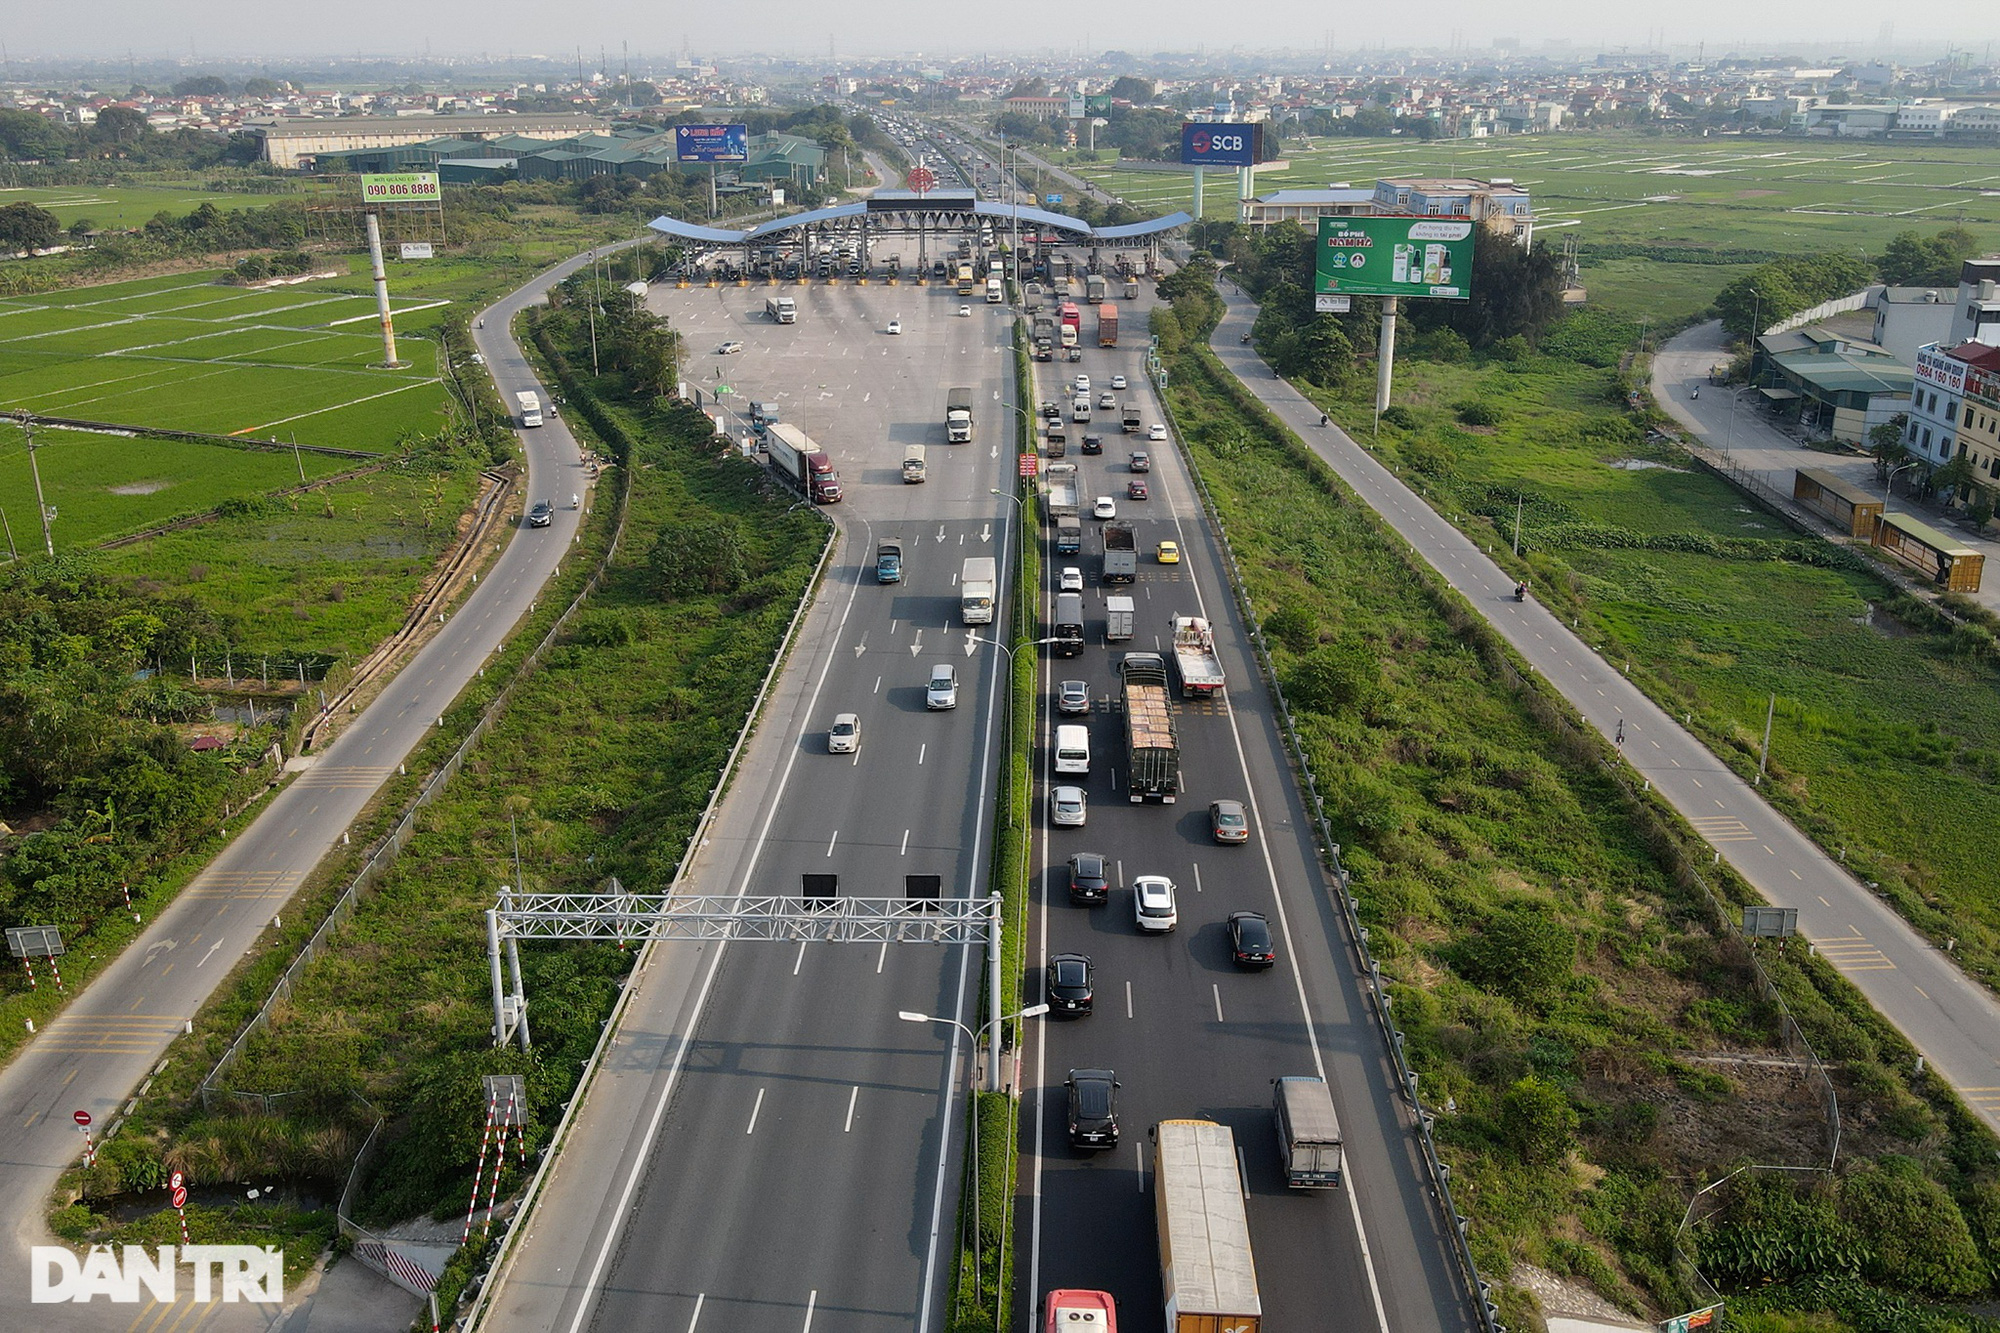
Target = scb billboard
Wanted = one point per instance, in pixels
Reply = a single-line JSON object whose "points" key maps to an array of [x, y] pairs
{"points": [[1229, 144], [712, 143]]}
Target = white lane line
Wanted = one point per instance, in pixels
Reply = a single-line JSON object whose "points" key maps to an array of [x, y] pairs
{"points": [[831, 841], [1139, 1164], [852, 1097], [751, 1128], [920, 753], [701, 1299], [812, 1299], [1128, 999], [882, 958], [1197, 879], [1216, 989], [799, 962], [1121, 874], [878, 685], [905, 849]]}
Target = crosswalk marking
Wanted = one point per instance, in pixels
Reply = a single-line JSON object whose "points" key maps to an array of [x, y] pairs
{"points": [[245, 884], [1853, 953], [109, 1034], [351, 777], [1722, 828]]}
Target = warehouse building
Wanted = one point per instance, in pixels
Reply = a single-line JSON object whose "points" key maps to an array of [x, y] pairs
{"points": [[294, 143]]}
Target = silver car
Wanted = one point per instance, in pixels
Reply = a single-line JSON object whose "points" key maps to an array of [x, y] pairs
{"points": [[942, 692], [1073, 697], [1067, 807], [844, 737]]}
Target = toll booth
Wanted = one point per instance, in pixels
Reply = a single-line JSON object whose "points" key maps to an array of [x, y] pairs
{"points": [[1950, 565], [1841, 503]]}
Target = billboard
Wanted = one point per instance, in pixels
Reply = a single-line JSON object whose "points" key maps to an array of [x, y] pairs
{"points": [[1206, 144], [712, 143], [1098, 104], [1394, 256], [1076, 108], [417, 250], [401, 187]]}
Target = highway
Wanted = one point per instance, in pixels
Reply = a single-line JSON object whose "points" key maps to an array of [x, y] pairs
{"points": [[1951, 1019], [769, 1147], [99, 1051], [1186, 1032]]}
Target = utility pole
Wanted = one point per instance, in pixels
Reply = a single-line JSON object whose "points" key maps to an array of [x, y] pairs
{"points": [[41, 505], [1764, 759], [1517, 523]]}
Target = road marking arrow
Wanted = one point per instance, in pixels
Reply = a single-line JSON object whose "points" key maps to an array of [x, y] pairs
{"points": [[985, 532], [940, 535], [971, 643], [917, 645]]}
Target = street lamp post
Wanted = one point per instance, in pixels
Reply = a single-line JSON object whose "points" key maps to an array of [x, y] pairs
{"points": [[1888, 484], [993, 1034]]}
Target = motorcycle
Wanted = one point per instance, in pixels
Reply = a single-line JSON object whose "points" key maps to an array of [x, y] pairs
{"points": [[1696, 393], [1520, 592]]}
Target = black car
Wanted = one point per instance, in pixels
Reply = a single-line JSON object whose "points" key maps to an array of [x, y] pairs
{"points": [[1068, 986], [1093, 444], [1087, 885], [542, 514], [1093, 1108], [1250, 940]]}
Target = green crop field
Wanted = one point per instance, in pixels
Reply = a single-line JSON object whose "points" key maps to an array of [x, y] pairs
{"points": [[1783, 195], [187, 353], [116, 207]]}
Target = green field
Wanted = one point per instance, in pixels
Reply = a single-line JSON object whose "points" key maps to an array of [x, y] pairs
{"points": [[115, 207], [187, 353], [1785, 195]]}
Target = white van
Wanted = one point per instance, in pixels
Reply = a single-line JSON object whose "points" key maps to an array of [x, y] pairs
{"points": [[1072, 749]]}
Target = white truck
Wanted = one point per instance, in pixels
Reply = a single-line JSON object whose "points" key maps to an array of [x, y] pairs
{"points": [[1208, 1276], [1195, 658], [531, 408], [914, 463], [1121, 555], [1118, 612], [1060, 499], [978, 585], [958, 415], [781, 309], [995, 293]]}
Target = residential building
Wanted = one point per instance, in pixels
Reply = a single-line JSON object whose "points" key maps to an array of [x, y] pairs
{"points": [[1498, 203], [1837, 388], [1307, 207], [1937, 397], [1977, 316], [1978, 433], [1907, 318]]}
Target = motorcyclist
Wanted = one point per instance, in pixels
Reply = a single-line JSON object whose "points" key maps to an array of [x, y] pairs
{"points": [[1696, 392], [1521, 591]]}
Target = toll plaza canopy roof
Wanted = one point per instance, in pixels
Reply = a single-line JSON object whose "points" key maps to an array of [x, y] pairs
{"points": [[897, 201]]}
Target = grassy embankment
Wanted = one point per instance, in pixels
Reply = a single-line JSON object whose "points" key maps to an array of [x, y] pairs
{"points": [[602, 763], [1565, 988], [1884, 748]]}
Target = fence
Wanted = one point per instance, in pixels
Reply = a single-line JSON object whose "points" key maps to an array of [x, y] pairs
{"points": [[1580, 745], [1838, 305], [384, 853]]}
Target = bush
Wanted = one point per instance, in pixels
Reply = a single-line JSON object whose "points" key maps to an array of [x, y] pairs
{"points": [[1537, 1121], [1399, 416], [1522, 951], [75, 1223], [1918, 1239], [1339, 677], [1478, 412]]}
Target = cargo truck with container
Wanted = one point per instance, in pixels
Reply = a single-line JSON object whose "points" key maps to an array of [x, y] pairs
{"points": [[1118, 617], [1045, 338], [530, 406], [1060, 496], [915, 464], [1152, 750], [1068, 628], [1121, 553], [1093, 288], [978, 586], [1208, 1275], [889, 561], [1107, 325], [1195, 658], [1308, 1132], [781, 309], [810, 467], [1132, 418], [1131, 287], [958, 415], [1069, 535]]}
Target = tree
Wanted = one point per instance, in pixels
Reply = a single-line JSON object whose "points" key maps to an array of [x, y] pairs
{"points": [[1885, 441], [202, 85], [24, 226], [1035, 87], [1537, 1121], [26, 136], [1913, 260], [1917, 1237], [120, 126], [1126, 88]]}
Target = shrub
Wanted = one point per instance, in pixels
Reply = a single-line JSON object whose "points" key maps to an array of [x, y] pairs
{"points": [[1478, 412], [1521, 950], [1399, 416], [1293, 626], [1338, 677], [1537, 1121], [1918, 1240]]}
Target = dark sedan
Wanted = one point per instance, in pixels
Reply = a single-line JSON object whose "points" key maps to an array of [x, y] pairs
{"points": [[1093, 1108], [1068, 989], [1087, 885], [1250, 940]]}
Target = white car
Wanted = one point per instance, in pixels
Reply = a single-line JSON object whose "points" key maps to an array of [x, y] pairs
{"points": [[942, 692], [1105, 507], [1083, 384], [1072, 579], [1066, 809], [1117, 381], [1153, 904], [965, 311], [844, 737], [895, 326], [1156, 431], [729, 348]]}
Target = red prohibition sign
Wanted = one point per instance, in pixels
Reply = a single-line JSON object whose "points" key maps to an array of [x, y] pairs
{"points": [[82, 1119], [180, 1197]]}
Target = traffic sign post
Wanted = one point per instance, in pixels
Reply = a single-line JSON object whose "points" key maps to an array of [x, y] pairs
{"points": [[82, 1119], [177, 1194]]}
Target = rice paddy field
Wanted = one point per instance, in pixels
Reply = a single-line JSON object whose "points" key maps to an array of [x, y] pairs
{"points": [[116, 207], [1710, 196]]}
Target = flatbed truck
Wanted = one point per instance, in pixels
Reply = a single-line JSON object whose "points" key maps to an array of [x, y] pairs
{"points": [[1152, 749], [1195, 658]]}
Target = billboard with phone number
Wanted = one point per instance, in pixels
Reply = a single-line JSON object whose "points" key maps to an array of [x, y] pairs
{"points": [[712, 143], [402, 187], [1394, 256], [1227, 144]]}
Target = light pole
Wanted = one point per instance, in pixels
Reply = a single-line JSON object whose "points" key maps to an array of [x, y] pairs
{"points": [[1886, 485], [993, 1037]]}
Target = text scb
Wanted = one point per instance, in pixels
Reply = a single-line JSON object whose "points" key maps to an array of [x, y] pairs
{"points": [[248, 1274]]}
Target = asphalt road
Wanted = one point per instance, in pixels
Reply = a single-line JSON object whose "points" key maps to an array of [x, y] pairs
{"points": [[769, 1145], [105, 1044], [1186, 1032], [1953, 1021]]}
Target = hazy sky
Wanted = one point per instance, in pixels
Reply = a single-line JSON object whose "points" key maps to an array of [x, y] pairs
{"points": [[237, 28]]}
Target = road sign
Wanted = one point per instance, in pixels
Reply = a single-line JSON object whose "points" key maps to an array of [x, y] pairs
{"points": [[177, 1180], [922, 179], [1770, 923], [82, 1119], [1332, 305], [1052, 198], [1030, 464], [1394, 256], [179, 1197]]}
